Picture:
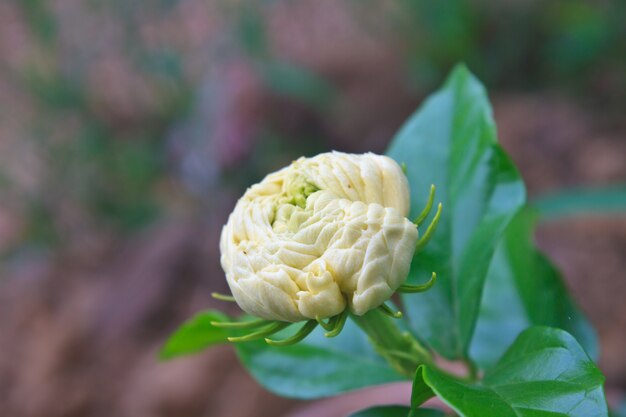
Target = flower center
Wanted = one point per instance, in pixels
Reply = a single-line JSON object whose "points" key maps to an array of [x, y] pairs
{"points": [[297, 190]]}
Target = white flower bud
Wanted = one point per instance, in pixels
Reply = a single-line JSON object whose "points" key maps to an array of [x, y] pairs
{"points": [[319, 236]]}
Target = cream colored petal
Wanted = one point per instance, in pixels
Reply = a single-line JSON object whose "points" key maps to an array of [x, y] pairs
{"points": [[318, 236]]}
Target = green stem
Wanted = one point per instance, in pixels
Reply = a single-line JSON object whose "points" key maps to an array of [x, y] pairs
{"points": [[401, 350]]}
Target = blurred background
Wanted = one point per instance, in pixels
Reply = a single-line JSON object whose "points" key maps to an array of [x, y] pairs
{"points": [[128, 129]]}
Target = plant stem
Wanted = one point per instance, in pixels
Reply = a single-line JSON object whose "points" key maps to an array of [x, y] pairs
{"points": [[401, 350]]}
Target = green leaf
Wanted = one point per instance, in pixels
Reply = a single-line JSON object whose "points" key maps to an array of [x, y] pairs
{"points": [[451, 142], [318, 366], [524, 289], [545, 373], [396, 411], [194, 335], [582, 201]]}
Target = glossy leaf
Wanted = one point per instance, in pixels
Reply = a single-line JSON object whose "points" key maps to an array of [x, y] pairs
{"points": [[524, 289], [318, 366], [451, 142], [545, 373], [576, 202], [195, 335], [397, 411]]}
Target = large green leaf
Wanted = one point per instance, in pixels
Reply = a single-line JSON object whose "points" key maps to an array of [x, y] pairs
{"points": [[524, 289], [195, 335], [318, 366], [397, 411], [545, 373], [582, 201], [451, 142]]}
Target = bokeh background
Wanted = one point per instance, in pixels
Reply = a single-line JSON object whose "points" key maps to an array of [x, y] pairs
{"points": [[129, 128]]}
